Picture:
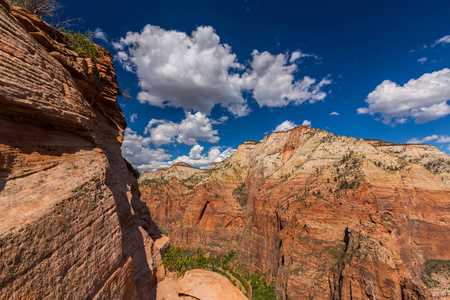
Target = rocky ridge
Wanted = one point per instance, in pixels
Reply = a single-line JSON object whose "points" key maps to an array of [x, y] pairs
{"points": [[330, 217], [71, 221]]}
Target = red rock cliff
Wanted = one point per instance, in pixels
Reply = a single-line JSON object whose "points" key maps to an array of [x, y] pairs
{"points": [[330, 217], [72, 225]]}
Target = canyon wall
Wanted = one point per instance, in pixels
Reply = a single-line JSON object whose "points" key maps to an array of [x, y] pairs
{"points": [[327, 216], [72, 225]]}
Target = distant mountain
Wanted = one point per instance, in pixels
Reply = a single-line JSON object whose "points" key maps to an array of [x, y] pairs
{"points": [[329, 217]]}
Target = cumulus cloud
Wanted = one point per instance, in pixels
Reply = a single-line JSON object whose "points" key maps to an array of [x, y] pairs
{"points": [[434, 137], [306, 123], [174, 69], [197, 159], [195, 127], [334, 113], [422, 60], [137, 150], [443, 40], [198, 72], [423, 99], [272, 81], [100, 35], [133, 118], [286, 125]]}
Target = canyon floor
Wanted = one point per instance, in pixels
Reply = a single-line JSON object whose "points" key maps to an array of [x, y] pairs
{"points": [[302, 214]]}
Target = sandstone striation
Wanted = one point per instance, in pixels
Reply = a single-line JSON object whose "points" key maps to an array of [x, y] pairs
{"points": [[327, 216], [72, 225]]}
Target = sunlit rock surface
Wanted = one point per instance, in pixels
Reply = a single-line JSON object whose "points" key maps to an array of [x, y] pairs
{"points": [[329, 217], [71, 222]]}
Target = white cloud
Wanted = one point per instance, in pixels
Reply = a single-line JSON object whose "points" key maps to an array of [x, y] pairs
{"points": [[221, 120], [434, 137], [306, 123], [422, 60], [286, 125], [174, 69], [136, 149], [123, 58], [133, 118], [334, 113], [424, 140], [195, 127], [273, 84], [423, 99], [298, 54], [443, 40], [197, 159], [198, 72], [444, 139], [100, 35]]}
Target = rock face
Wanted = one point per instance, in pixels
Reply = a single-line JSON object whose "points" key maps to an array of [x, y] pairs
{"points": [[330, 217], [71, 222], [205, 285]]}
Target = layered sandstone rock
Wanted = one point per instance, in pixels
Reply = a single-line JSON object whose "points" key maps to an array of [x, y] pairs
{"points": [[72, 225], [205, 285], [329, 217]]}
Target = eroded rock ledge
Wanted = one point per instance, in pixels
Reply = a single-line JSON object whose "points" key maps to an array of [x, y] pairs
{"points": [[71, 221]]}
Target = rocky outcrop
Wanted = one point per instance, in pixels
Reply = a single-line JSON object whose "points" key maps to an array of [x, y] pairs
{"points": [[205, 285], [72, 225], [329, 217], [179, 170]]}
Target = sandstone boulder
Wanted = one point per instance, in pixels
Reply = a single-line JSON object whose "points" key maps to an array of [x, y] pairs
{"points": [[205, 285]]}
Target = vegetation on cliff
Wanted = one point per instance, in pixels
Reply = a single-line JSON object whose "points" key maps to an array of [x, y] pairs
{"points": [[82, 44], [77, 41], [180, 261], [432, 268]]}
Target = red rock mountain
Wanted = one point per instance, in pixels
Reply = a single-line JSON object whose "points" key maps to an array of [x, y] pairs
{"points": [[329, 217], [72, 225]]}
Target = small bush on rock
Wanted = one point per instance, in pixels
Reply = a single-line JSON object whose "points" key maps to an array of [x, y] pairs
{"points": [[82, 44]]}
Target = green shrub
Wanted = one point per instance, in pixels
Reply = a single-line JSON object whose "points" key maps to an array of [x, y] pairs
{"points": [[241, 279], [260, 289], [82, 44], [239, 190], [181, 261]]}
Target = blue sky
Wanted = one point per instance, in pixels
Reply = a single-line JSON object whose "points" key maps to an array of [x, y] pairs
{"points": [[205, 76]]}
